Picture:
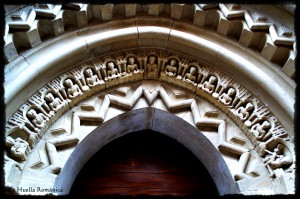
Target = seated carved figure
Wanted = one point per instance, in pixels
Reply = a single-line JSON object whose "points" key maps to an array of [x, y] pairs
{"points": [[112, 71], [191, 76], [152, 67], [37, 119], [54, 103], [244, 112], [19, 148], [171, 68], [132, 67], [209, 86], [227, 98], [73, 90], [277, 159], [260, 130], [91, 79]]}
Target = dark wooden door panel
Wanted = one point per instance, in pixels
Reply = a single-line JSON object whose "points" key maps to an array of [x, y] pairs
{"points": [[138, 192], [145, 180], [144, 163]]}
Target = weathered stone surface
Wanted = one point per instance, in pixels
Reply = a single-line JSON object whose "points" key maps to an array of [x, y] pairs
{"points": [[177, 32]]}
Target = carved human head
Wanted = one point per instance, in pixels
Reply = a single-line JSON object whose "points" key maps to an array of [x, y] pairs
{"points": [[249, 106], [152, 59], [89, 72], [110, 65], [212, 79], [49, 97], [266, 124], [131, 60], [69, 83], [31, 113], [193, 70], [231, 91], [173, 62]]}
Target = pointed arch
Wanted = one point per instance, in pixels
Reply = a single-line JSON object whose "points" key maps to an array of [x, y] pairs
{"points": [[157, 120]]}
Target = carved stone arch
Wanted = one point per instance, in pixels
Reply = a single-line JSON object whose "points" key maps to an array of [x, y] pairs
{"points": [[234, 63], [164, 32], [153, 119]]}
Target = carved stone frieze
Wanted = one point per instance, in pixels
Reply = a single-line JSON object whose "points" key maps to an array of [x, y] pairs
{"points": [[107, 70], [41, 111]]}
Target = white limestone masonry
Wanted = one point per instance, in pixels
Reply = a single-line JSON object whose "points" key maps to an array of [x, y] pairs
{"points": [[224, 71]]}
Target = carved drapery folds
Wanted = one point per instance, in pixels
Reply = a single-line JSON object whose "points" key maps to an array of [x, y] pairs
{"points": [[26, 127]]}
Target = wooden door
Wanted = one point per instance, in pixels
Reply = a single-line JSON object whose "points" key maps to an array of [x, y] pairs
{"points": [[144, 163]]}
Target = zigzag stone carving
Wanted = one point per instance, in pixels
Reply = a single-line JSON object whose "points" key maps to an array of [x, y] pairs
{"points": [[236, 21], [40, 111], [126, 97]]}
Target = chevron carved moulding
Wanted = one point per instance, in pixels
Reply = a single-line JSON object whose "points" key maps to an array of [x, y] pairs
{"points": [[45, 130]]}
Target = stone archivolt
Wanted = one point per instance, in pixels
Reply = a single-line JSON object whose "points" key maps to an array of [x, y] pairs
{"points": [[146, 70], [243, 23]]}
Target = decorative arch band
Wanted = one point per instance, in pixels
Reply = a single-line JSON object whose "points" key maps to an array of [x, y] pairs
{"points": [[39, 112]]}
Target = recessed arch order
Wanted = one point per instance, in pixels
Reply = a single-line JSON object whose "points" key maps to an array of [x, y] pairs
{"points": [[55, 60], [156, 120], [55, 57]]}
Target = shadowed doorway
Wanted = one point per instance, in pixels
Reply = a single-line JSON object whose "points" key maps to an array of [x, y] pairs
{"points": [[144, 163]]}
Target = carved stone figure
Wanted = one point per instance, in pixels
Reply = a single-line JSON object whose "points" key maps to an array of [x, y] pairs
{"points": [[260, 130], [132, 67], [209, 86], [54, 103], [227, 98], [112, 71], [19, 148], [277, 159], [244, 112], [38, 119], [152, 67], [191, 76], [91, 79], [73, 90], [171, 69]]}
